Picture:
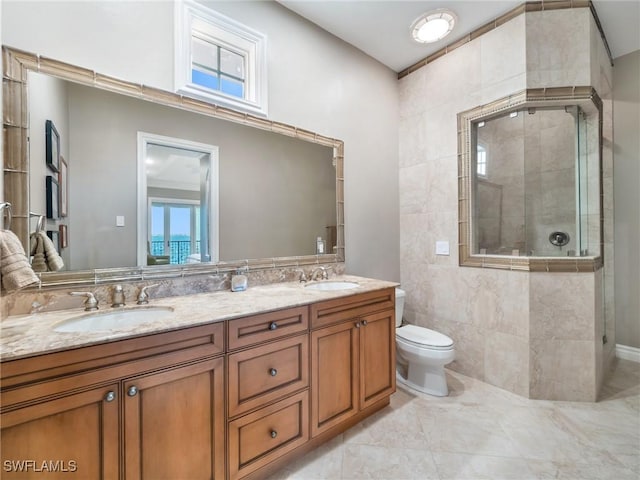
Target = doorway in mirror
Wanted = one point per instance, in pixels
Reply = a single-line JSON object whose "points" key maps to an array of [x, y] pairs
{"points": [[177, 201]]}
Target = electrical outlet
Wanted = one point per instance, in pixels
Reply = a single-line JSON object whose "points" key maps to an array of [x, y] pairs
{"points": [[442, 247]]}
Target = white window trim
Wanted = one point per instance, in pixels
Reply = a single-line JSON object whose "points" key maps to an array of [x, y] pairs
{"points": [[237, 37]]}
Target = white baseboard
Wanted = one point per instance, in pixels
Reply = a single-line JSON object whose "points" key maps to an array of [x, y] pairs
{"points": [[628, 353]]}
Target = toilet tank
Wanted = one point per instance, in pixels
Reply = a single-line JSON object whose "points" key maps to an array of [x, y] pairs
{"points": [[400, 294]]}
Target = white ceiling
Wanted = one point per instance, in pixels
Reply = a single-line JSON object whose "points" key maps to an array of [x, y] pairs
{"points": [[380, 28]]}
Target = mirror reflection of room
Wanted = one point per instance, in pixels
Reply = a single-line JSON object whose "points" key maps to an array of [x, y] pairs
{"points": [[275, 195]]}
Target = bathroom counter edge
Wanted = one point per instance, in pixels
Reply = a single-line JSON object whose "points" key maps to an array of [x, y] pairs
{"points": [[24, 336]]}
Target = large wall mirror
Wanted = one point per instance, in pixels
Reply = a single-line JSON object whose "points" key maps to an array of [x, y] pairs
{"points": [[531, 182], [152, 183]]}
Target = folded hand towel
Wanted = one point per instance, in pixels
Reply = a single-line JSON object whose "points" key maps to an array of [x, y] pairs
{"points": [[38, 262], [53, 260], [15, 270]]}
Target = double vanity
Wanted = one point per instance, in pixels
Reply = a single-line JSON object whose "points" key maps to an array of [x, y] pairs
{"points": [[215, 385]]}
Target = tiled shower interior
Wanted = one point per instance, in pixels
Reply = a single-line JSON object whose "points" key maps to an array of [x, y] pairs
{"points": [[537, 178]]}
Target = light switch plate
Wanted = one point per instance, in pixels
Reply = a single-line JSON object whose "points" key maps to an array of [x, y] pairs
{"points": [[442, 247], [119, 220]]}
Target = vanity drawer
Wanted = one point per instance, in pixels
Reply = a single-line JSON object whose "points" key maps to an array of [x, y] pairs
{"points": [[262, 436], [344, 308], [267, 373], [244, 332]]}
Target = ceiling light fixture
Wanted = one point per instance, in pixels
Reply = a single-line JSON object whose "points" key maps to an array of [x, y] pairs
{"points": [[433, 26]]}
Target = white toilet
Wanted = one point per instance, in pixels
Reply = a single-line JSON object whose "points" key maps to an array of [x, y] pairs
{"points": [[421, 355]]}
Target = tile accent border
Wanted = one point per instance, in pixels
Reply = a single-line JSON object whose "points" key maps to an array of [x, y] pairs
{"points": [[16, 66], [530, 97], [538, 6]]}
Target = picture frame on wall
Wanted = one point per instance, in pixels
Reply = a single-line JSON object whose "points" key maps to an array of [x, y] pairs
{"points": [[62, 180], [64, 240], [52, 146], [53, 197], [55, 239]]}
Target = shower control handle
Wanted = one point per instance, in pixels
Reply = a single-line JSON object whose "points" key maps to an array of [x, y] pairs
{"points": [[559, 239]]}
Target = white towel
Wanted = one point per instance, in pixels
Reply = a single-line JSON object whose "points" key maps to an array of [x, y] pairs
{"points": [[45, 255], [38, 262], [51, 257], [15, 270]]}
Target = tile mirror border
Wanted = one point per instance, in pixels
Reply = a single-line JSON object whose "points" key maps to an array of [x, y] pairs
{"points": [[16, 66], [535, 97]]}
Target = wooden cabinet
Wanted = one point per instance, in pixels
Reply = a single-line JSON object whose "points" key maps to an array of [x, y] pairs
{"points": [[268, 388], [377, 357], [267, 434], [159, 416], [266, 373], [174, 423], [74, 435], [334, 369], [227, 400], [352, 359]]}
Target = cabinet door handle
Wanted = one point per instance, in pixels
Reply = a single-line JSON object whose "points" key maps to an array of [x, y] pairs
{"points": [[133, 391], [110, 396], [273, 326], [274, 434], [357, 324], [364, 322], [273, 372]]}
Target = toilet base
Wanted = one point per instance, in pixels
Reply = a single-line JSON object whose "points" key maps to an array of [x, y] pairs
{"points": [[424, 379]]}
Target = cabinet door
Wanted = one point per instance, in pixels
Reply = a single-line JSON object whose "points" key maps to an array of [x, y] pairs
{"points": [[377, 357], [174, 423], [73, 436], [334, 374]]}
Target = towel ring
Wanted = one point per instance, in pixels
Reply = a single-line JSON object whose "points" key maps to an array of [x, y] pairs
{"points": [[40, 224], [6, 207]]}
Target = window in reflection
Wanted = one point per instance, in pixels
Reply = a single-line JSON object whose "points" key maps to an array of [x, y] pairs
{"points": [[175, 231], [481, 161]]}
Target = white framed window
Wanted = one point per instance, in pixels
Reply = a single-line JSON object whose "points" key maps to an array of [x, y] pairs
{"points": [[481, 161], [219, 60]]}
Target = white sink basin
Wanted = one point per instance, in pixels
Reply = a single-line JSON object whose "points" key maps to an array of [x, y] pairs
{"points": [[331, 286], [113, 319]]}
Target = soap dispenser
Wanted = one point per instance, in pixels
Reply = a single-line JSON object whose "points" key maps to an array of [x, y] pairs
{"points": [[239, 281]]}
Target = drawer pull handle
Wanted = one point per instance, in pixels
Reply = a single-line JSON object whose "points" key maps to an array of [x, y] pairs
{"points": [[274, 434], [273, 372], [364, 322], [133, 390], [273, 326], [110, 396], [357, 324]]}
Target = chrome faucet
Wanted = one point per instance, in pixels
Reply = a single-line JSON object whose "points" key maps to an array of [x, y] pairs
{"points": [[118, 297], [143, 296], [314, 272], [91, 303], [303, 276]]}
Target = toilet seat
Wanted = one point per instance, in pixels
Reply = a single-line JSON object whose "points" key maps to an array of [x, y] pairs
{"points": [[424, 338]]}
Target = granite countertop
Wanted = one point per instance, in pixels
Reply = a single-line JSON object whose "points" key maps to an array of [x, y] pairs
{"points": [[29, 335]]}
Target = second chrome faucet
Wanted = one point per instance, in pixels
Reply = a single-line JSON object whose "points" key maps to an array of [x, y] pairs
{"points": [[118, 297]]}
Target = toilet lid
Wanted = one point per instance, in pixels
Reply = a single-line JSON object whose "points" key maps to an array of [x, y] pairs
{"points": [[423, 336]]}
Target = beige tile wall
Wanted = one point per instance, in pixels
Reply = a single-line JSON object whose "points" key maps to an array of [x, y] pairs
{"points": [[503, 323]]}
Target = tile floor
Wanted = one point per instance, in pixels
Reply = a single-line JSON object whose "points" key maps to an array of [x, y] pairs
{"points": [[482, 432]]}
